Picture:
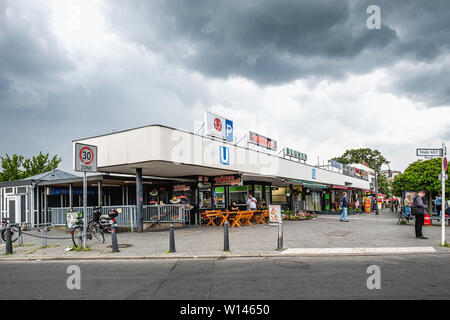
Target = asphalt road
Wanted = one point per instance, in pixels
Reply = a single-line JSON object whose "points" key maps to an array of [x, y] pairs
{"points": [[402, 277]]}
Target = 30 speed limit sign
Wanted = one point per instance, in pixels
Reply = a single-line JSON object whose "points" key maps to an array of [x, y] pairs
{"points": [[85, 158]]}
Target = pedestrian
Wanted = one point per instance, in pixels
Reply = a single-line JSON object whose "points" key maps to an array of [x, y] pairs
{"points": [[419, 208], [344, 206], [408, 204], [357, 206], [251, 202], [438, 205], [396, 205]]}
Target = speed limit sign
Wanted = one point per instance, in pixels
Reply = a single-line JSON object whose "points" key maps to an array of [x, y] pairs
{"points": [[85, 158]]}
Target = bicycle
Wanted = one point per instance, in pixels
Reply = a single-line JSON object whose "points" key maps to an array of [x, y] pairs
{"points": [[16, 230], [93, 230]]}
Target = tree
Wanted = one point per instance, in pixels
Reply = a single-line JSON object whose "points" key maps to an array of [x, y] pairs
{"points": [[421, 175], [11, 168], [39, 164], [17, 167], [363, 154]]}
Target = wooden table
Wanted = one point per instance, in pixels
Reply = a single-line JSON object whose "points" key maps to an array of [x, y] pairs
{"points": [[213, 215], [242, 218]]}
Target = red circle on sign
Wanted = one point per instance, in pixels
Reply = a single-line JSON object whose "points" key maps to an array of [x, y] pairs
{"points": [[218, 124], [81, 156], [445, 163]]}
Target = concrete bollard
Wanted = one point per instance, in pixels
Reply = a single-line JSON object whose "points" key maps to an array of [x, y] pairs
{"points": [[280, 235], [114, 244], [226, 238], [172, 239], [9, 248]]}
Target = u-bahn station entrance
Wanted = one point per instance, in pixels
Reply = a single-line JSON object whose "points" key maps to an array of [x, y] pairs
{"points": [[157, 174]]}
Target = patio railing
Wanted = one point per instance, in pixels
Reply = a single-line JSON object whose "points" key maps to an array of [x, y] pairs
{"points": [[175, 213]]}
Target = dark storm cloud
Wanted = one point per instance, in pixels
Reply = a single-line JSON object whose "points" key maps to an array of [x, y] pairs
{"points": [[31, 59], [273, 42]]}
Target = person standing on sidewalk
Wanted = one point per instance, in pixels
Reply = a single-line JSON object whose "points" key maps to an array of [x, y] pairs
{"points": [[419, 208], [344, 206], [408, 204], [438, 205]]}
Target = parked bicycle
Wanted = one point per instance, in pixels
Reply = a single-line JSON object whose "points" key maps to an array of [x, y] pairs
{"points": [[16, 230], [95, 227]]}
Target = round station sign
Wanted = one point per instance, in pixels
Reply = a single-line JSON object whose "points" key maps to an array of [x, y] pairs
{"points": [[85, 158]]}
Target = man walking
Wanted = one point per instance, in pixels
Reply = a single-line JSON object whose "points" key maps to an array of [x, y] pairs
{"points": [[438, 205], [344, 206], [419, 210]]}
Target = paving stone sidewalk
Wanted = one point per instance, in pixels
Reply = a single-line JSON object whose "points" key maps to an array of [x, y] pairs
{"points": [[362, 231]]}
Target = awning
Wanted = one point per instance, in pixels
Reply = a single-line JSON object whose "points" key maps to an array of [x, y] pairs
{"points": [[339, 187], [309, 184]]}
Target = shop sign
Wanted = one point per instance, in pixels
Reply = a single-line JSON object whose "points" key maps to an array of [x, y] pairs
{"points": [[295, 154], [181, 188], [224, 155], [336, 164], [218, 126], [262, 141], [233, 180], [274, 214]]}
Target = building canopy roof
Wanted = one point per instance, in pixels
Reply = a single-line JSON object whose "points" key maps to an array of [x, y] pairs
{"points": [[51, 175]]}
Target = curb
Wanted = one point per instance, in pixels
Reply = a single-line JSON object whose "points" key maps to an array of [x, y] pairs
{"points": [[216, 256]]}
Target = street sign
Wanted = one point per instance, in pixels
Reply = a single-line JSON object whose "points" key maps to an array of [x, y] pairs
{"points": [[85, 158], [445, 163], [427, 152]]}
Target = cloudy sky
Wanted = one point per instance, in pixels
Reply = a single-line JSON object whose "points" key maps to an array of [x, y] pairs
{"points": [[308, 73]]}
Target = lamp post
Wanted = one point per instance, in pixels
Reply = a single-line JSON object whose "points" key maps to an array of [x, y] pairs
{"points": [[376, 186]]}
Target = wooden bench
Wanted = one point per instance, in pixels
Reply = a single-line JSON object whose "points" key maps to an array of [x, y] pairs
{"points": [[212, 216], [263, 217], [242, 218]]}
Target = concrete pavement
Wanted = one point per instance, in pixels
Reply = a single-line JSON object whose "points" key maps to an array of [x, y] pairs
{"points": [[365, 234]]}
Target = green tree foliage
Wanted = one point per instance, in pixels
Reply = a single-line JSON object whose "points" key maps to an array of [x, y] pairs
{"points": [[363, 154], [40, 163], [11, 167], [16, 167], [421, 175], [383, 185]]}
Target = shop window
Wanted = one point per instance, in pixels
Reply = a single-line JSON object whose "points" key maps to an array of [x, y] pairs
{"points": [[219, 197], [239, 195], [21, 189], [205, 197]]}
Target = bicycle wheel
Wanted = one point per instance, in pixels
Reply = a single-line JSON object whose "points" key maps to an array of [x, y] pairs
{"points": [[77, 236], [96, 230], [15, 233]]}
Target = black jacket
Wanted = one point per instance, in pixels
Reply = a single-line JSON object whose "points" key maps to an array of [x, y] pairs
{"points": [[418, 205]]}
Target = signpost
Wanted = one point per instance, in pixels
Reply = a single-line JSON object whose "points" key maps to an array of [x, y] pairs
{"points": [[85, 161], [434, 153]]}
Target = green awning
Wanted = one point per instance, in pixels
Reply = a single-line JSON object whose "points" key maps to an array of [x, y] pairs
{"points": [[309, 184]]}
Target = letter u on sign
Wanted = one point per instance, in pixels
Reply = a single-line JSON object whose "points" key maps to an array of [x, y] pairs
{"points": [[224, 155]]}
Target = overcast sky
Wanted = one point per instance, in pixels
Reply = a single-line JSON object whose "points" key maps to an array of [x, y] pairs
{"points": [[308, 73]]}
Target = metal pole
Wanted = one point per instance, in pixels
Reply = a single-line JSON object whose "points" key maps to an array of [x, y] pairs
{"points": [[9, 248], [139, 200], [376, 188], [114, 244], [280, 235], [44, 236], [70, 197], [85, 211], [226, 238], [172, 239], [100, 194], [443, 197]]}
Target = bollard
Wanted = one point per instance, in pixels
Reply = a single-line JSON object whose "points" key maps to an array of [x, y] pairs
{"points": [[226, 238], [280, 235], [44, 237], [172, 239], [9, 248], [20, 239], [114, 245]]}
